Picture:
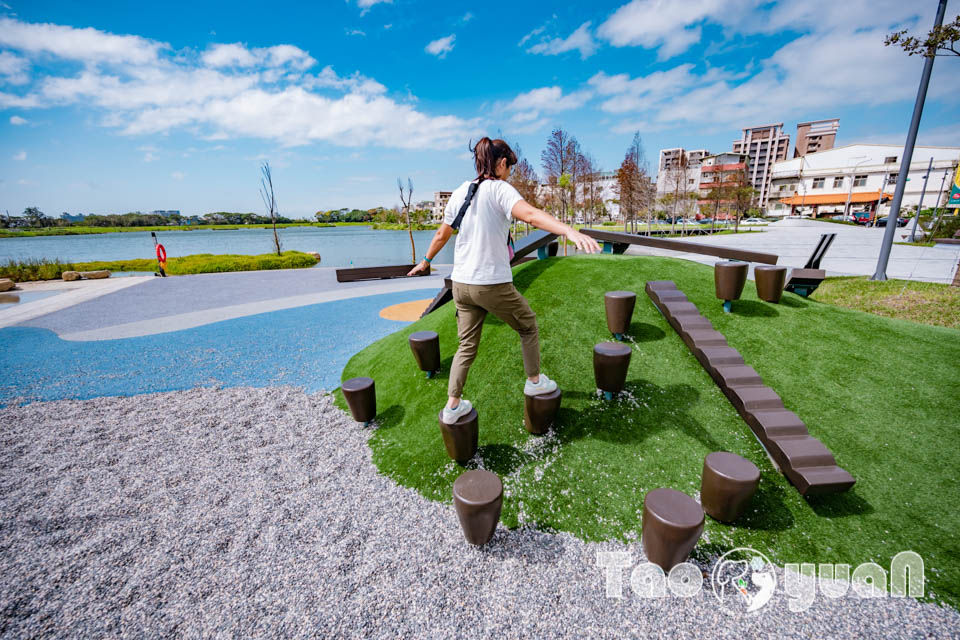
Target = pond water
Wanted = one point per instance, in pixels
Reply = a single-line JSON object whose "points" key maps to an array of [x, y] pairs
{"points": [[337, 246]]}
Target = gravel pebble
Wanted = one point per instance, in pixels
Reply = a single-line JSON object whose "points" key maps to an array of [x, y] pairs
{"points": [[257, 512]]}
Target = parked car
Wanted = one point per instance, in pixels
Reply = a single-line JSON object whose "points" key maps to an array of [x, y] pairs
{"points": [[705, 221], [882, 222], [753, 221], [843, 218]]}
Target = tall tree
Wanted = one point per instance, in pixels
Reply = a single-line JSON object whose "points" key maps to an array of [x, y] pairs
{"points": [[558, 160], [643, 196], [524, 177], [942, 38], [269, 200], [626, 188], [406, 210]]}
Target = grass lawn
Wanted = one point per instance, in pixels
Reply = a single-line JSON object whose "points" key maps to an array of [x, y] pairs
{"points": [[24, 271], [927, 302], [880, 393]]}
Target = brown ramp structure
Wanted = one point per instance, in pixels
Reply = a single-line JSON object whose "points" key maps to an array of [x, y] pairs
{"points": [[803, 459]]}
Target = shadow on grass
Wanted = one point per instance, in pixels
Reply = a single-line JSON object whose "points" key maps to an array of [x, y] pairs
{"points": [[793, 301], [644, 332], [642, 410], [753, 309], [840, 505], [502, 459], [391, 416], [525, 277], [767, 510]]}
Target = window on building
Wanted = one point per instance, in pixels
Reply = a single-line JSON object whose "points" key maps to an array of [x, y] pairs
{"points": [[892, 179], [690, 180], [860, 181], [818, 183], [890, 159], [837, 182]]}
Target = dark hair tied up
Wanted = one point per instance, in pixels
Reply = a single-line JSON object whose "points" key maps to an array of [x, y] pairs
{"points": [[487, 153]]}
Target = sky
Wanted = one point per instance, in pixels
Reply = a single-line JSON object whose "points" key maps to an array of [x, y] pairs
{"points": [[109, 107]]}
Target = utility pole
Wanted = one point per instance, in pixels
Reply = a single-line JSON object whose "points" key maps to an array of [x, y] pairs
{"points": [[887, 244], [876, 210], [923, 193], [939, 210]]}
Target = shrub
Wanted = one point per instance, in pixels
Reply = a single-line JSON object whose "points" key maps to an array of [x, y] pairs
{"points": [[949, 225]]}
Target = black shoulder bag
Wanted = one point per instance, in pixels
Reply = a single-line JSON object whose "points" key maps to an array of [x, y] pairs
{"points": [[471, 191]]}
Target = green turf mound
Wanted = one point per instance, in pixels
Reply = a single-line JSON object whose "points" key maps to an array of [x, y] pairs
{"points": [[835, 368]]}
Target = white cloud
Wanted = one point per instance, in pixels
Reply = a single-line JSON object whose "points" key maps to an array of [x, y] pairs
{"points": [[356, 32], [13, 68], [237, 55], [229, 91], [20, 156], [17, 120], [85, 45], [549, 99], [533, 33], [177, 175], [669, 26], [441, 46], [365, 5], [467, 17], [580, 40]]}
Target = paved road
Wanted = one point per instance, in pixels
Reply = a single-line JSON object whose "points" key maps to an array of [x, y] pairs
{"points": [[854, 251]]}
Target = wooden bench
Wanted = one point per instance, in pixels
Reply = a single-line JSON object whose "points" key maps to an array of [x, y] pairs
{"points": [[378, 273], [617, 242]]}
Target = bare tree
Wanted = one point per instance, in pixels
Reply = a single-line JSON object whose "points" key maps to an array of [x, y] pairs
{"points": [[558, 160], [406, 210], [269, 200]]}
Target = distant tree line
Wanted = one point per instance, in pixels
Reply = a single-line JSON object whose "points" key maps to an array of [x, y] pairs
{"points": [[33, 217]]}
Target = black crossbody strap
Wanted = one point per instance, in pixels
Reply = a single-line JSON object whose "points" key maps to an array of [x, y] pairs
{"points": [[471, 191]]}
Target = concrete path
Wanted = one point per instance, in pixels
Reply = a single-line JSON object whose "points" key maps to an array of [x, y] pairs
{"points": [[138, 306], [854, 251]]}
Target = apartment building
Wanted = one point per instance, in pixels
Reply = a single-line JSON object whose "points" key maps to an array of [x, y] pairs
{"points": [[679, 171], [859, 177], [818, 135], [723, 170], [440, 200], [764, 146]]}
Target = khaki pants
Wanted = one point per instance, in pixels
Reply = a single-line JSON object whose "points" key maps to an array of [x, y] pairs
{"points": [[505, 302]]}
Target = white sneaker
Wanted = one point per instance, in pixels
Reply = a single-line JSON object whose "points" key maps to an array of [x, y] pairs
{"points": [[545, 385], [450, 416]]}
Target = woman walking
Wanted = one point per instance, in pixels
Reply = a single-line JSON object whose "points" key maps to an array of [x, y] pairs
{"points": [[482, 210]]}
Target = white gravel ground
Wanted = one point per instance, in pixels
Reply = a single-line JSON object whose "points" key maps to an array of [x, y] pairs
{"points": [[257, 512]]}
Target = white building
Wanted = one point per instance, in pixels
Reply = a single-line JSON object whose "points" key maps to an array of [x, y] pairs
{"points": [[440, 199], [850, 178], [679, 170]]}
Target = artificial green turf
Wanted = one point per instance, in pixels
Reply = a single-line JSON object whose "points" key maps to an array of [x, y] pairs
{"points": [[880, 393]]}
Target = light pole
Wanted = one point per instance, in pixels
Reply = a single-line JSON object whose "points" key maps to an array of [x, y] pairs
{"points": [[920, 206], [853, 177], [876, 210], [887, 244], [939, 210]]}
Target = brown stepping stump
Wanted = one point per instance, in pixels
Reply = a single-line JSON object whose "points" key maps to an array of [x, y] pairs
{"points": [[776, 423], [361, 397], [794, 452], [729, 278], [770, 280], [619, 306], [671, 526], [478, 498], [815, 481], [610, 363], [460, 438], [539, 411], [727, 485], [426, 351]]}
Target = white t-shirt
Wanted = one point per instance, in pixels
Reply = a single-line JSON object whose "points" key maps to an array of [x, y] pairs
{"points": [[481, 255]]}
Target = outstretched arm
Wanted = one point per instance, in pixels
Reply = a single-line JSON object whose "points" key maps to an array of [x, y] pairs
{"points": [[525, 212], [436, 244]]}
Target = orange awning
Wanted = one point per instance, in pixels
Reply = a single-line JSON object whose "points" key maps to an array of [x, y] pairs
{"points": [[835, 198]]}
